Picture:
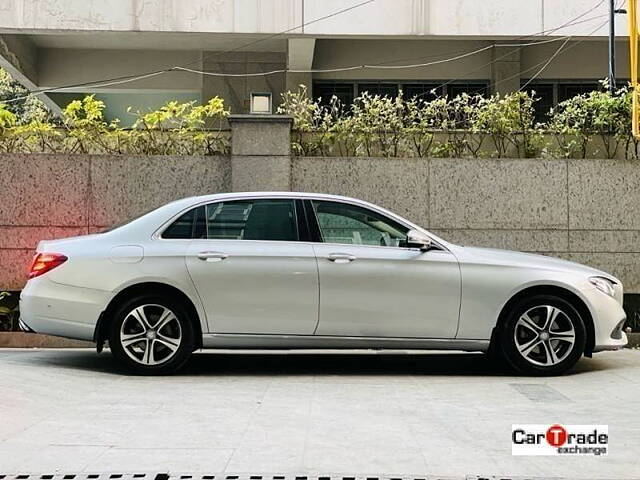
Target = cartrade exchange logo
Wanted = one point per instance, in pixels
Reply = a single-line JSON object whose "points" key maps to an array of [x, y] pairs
{"points": [[560, 440]]}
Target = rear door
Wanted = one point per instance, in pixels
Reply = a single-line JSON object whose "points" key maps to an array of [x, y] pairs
{"points": [[251, 272], [373, 285]]}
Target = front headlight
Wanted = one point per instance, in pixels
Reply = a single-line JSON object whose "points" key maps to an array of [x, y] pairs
{"points": [[604, 285]]}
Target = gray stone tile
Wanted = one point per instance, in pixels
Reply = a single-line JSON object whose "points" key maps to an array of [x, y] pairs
{"points": [[260, 173], [614, 241], [15, 263], [604, 194], [44, 190], [398, 184], [126, 186], [498, 193], [622, 265], [520, 240], [261, 138], [28, 237]]}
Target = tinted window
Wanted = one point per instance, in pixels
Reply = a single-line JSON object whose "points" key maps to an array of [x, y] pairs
{"points": [[570, 90], [350, 224], [189, 225], [544, 100], [455, 89], [425, 91], [252, 220], [382, 89], [324, 91]]}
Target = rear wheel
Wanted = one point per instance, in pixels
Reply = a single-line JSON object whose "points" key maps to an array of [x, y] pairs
{"points": [[543, 335], [151, 335]]}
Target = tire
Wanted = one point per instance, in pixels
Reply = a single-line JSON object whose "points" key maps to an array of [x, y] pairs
{"points": [[543, 335], [156, 321]]}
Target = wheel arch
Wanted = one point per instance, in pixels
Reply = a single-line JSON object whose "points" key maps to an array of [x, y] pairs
{"points": [[562, 292], [102, 326]]}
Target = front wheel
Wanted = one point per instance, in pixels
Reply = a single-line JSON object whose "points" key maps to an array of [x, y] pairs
{"points": [[543, 335], [151, 335]]}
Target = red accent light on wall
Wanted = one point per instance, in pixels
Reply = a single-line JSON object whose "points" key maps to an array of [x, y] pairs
{"points": [[43, 262]]}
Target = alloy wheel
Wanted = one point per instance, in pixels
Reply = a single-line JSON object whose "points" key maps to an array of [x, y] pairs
{"points": [[150, 334], [544, 335]]}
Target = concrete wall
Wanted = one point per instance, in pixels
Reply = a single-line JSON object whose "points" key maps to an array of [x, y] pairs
{"points": [[383, 17], [587, 211], [54, 196], [583, 210]]}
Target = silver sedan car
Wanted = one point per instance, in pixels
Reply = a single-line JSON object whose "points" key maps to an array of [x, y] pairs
{"points": [[298, 270]]}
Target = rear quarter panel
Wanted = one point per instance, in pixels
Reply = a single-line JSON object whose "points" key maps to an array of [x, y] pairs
{"points": [[112, 264]]}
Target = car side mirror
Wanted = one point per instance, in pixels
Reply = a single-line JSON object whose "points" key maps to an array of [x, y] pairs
{"points": [[417, 239]]}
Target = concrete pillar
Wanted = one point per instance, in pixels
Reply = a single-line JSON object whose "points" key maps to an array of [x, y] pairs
{"points": [[260, 152], [505, 71], [236, 91], [300, 53]]}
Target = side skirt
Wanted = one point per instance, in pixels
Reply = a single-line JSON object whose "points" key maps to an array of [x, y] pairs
{"points": [[242, 341]]}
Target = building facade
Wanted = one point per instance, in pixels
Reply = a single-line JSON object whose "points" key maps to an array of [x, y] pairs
{"points": [[556, 47]]}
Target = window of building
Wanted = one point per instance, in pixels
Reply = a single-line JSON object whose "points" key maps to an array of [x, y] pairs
{"points": [[347, 91], [544, 94], [570, 90], [471, 88], [325, 90], [551, 93], [426, 91], [382, 89], [350, 224]]}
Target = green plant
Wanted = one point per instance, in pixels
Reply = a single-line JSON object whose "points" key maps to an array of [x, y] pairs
{"points": [[174, 129], [510, 121], [85, 126], [25, 107], [179, 129], [597, 114], [9, 312]]}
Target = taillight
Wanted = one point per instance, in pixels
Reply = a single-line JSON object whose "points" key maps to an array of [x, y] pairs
{"points": [[43, 262]]}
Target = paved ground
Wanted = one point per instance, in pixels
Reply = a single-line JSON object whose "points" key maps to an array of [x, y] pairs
{"points": [[377, 413]]}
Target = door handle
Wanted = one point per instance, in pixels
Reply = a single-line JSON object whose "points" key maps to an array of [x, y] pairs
{"points": [[341, 257], [212, 256]]}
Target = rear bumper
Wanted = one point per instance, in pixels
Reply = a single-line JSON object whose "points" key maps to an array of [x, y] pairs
{"points": [[62, 310]]}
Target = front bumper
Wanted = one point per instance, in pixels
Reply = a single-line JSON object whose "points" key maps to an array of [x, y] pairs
{"points": [[608, 320], [62, 310]]}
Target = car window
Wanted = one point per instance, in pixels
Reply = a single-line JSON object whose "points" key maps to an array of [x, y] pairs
{"points": [[350, 224], [189, 225], [259, 219]]}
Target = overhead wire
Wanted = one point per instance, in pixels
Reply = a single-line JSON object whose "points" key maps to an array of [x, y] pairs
{"points": [[382, 65], [132, 78]]}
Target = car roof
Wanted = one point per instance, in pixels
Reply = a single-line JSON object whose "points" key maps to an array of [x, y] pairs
{"points": [[235, 195]]}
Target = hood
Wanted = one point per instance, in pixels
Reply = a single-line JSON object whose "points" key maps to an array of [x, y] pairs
{"points": [[528, 260]]}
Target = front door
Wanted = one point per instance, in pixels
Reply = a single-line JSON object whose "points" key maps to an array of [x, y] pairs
{"points": [[251, 272], [373, 285]]}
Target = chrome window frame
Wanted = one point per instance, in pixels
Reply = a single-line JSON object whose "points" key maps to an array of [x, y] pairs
{"points": [[157, 234]]}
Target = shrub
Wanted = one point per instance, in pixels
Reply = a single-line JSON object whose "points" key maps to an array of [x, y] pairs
{"points": [[510, 121], [458, 127], [173, 129]]}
